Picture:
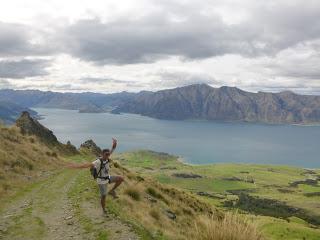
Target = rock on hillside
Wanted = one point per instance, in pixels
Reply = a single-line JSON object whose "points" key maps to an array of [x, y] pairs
{"points": [[31, 126], [90, 146]]}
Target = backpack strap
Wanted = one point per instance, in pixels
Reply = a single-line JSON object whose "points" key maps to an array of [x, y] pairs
{"points": [[101, 165]]}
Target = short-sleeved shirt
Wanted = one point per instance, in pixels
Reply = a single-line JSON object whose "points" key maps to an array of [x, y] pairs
{"points": [[104, 173]]}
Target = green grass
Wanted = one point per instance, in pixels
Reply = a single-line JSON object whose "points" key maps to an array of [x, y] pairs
{"points": [[146, 159], [293, 230], [204, 184], [269, 182]]}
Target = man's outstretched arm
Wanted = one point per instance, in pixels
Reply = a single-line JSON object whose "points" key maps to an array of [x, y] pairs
{"points": [[83, 165], [114, 145]]}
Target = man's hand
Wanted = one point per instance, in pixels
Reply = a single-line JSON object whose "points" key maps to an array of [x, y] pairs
{"points": [[114, 143], [77, 165], [71, 165]]}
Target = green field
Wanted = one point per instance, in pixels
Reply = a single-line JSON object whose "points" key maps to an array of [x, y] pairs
{"points": [[282, 211]]}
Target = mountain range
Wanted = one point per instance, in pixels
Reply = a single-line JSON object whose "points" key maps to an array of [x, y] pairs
{"points": [[202, 101], [84, 102], [198, 101]]}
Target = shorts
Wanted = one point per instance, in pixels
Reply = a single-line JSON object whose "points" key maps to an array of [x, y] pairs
{"points": [[103, 187]]}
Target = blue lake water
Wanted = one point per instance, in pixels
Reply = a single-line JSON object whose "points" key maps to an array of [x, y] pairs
{"points": [[197, 142]]}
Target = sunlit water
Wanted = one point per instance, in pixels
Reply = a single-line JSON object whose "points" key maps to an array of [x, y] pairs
{"points": [[197, 142]]}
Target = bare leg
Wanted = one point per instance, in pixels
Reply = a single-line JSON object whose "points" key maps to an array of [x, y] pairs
{"points": [[103, 203], [118, 180]]}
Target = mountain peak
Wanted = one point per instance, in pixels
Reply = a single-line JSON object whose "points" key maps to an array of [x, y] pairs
{"points": [[31, 126], [91, 146], [199, 85]]}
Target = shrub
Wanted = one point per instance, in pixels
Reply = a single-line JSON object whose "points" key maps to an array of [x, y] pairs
{"points": [[133, 193], [151, 191]]}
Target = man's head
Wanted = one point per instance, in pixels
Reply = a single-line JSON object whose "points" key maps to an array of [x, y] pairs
{"points": [[105, 153]]}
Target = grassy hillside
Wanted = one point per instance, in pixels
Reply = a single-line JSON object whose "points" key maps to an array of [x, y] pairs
{"points": [[285, 200], [40, 196], [158, 211], [161, 198], [22, 159]]}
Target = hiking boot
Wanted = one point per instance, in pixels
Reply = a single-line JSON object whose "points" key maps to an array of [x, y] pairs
{"points": [[113, 194], [104, 213]]}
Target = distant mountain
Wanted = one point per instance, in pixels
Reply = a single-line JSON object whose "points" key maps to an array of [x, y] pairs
{"points": [[199, 101], [84, 102], [202, 101], [10, 111]]}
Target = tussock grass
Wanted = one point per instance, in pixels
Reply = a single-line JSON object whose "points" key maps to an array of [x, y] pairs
{"points": [[133, 193], [22, 158], [151, 191], [155, 214], [232, 226]]}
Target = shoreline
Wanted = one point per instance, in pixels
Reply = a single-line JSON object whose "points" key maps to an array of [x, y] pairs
{"points": [[181, 160]]}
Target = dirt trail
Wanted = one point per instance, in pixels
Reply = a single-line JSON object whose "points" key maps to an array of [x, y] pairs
{"points": [[116, 229], [48, 212]]}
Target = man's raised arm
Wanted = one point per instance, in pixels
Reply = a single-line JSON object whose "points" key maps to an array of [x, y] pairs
{"points": [[114, 145]]}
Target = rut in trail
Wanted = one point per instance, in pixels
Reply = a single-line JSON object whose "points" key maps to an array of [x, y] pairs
{"points": [[47, 212]]}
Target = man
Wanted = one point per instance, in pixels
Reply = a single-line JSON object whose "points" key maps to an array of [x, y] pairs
{"points": [[103, 174]]}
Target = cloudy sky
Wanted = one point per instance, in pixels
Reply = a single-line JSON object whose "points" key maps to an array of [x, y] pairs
{"points": [[111, 45]]}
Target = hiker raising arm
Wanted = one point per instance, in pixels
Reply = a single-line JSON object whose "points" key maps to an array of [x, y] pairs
{"points": [[89, 165], [100, 171]]}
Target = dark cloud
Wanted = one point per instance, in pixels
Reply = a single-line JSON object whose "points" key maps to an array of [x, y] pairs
{"points": [[23, 68], [269, 29], [148, 40], [174, 29], [17, 40], [306, 67]]}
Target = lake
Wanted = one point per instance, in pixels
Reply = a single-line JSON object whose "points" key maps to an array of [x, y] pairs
{"points": [[197, 142]]}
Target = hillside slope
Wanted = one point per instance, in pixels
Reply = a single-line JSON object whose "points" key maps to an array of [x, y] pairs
{"points": [[284, 200], [22, 158], [43, 199], [66, 205], [30, 126]]}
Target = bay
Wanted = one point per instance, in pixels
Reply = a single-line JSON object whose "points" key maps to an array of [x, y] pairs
{"points": [[196, 142]]}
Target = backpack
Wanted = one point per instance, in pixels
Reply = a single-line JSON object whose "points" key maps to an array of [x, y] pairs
{"points": [[94, 172]]}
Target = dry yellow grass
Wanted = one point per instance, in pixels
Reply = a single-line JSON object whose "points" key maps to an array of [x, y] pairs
{"points": [[232, 226], [22, 158]]}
